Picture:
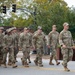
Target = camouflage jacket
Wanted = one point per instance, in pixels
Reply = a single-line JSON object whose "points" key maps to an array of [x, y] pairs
{"points": [[24, 40], [8, 41], [16, 39], [1, 39], [65, 38], [53, 38], [38, 40]]}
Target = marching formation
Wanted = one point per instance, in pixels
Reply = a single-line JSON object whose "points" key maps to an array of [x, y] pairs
{"points": [[12, 41]]}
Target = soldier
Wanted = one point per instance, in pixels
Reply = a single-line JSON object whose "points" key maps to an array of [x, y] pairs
{"points": [[66, 42], [53, 41], [16, 41], [1, 44], [38, 43], [8, 48], [25, 46]]}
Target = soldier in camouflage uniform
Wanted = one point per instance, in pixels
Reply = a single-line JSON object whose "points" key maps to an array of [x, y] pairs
{"points": [[1, 44], [16, 41], [8, 44], [38, 43], [66, 42], [25, 46], [53, 41]]}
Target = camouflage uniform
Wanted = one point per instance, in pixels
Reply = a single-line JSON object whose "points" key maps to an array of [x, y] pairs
{"points": [[25, 46], [53, 41], [9, 48], [1, 46], [38, 42], [65, 38]]}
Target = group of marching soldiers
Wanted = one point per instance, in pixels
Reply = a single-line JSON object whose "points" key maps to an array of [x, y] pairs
{"points": [[12, 41]]}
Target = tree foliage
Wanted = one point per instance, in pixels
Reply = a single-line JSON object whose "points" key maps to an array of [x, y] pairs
{"points": [[40, 12]]}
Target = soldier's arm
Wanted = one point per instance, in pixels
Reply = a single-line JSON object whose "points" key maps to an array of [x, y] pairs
{"points": [[34, 39], [4, 41], [20, 41], [72, 40], [60, 39], [49, 39]]}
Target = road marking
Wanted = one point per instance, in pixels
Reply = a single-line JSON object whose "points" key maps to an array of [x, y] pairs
{"points": [[43, 68]]}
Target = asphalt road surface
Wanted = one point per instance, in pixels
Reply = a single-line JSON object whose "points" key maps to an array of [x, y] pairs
{"points": [[35, 70]]}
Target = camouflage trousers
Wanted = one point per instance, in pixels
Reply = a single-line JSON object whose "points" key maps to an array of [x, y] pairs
{"points": [[67, 55], [1, 54], [53, 52], [16, 50], [26, 55], [39, 55], [11, 55]]}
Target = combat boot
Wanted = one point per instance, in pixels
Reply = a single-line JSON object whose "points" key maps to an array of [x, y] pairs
{"points": [[29, 59], [26, 64], [36, 63], [14, 65], [66, 69], [9, 63], [40, 65], [50, 63], [57, 63]]}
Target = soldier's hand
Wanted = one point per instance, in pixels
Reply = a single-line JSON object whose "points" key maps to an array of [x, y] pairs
{"points": [[73, 47], [64, 46]]}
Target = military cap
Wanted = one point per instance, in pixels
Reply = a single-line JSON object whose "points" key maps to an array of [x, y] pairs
{"points": [[65, 24], [13, 28], [9, 30], [39, 27], [25, 28], [1, 28], [54, 26]]}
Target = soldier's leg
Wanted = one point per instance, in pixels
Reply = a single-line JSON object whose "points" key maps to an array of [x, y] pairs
{"points": [[65, 59], [51, 56], [55, 57], [25, 55], [9, 60], [40, 54], [16, 50], [1, 55], [29, 56], [36, 60], [12, 58], [4, 59]]}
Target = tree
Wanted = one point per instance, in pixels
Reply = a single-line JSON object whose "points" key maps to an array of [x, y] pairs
{"points": [[51, 12]]}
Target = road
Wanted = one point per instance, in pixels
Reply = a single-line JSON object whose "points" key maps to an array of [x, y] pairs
{"points": [[35, 70]]}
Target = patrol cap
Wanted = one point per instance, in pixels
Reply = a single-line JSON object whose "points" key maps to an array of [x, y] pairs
{"points": [[54, 26], [65, 24], [1, 28], [9, 30], [13, 28], [25, 28], [39, 27]]}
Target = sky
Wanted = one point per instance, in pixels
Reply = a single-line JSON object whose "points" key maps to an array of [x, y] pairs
{"points": [[70, 2]]}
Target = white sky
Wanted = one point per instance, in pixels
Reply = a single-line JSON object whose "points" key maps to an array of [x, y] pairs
{"points": [[70, 2]]}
